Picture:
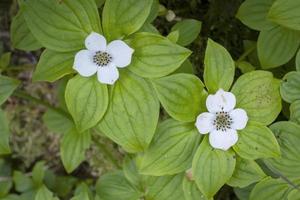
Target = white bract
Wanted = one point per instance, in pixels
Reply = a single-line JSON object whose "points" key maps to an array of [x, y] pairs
{"points": [[102, 59], [222, 120]]}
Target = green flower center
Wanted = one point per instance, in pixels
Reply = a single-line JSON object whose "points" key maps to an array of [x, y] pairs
{"points": [[223, 121], [102, 58]]}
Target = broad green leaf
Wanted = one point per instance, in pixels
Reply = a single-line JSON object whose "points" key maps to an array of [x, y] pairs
{"points": [[295, 112], [243, 193], [186, 67], [171, 150], [87, 101], [245, 67], [124, 17], [62, 25], [53, 66], [258, 93], [5, 60], [5, 184], [57, 122], [72, 148], [288, 136], [212, 168], [4, 134], [180, 95], [38, 173], [132, 115], [270, 189], [165, 188], [286, 13], [7, 86], [155, 55], [82, 193], [294, 194], [253, 13], [256, 141], [191, 191], [153, 12], [114, 186], [132, 174], [219, 67], [189, 29], [44, 194], [298, 61], [149, 28], [290, 87], [21, 36], [22, 182], [245, 173], [277, 46], [173, 36]]}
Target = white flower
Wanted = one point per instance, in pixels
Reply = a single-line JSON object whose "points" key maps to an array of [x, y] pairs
{"points": [[222, 120], [102, 59]]}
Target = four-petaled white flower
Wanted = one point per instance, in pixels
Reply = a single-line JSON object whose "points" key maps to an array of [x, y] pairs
{"points": [[102, 59], [222, 120]]}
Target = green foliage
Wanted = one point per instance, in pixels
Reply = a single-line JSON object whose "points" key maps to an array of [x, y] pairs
{"points": [[57, 122], [44, 194], [295, 112], [4, 134], [7, 85], [290, 87], [191, 191]]}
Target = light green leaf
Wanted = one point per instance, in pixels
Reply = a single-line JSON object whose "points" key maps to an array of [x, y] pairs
{"points": [[165, 188], [132, 115], [87, 101], [149, 28], [44, 194], [114, 186], [171, 150], [7, 86], [298, 61], [243, 193], [277, 46], [155, 55], [245, 173], [173, 36], [245, 66], [38, 173], [62, 25], [22, 182], [5, 60], [57, 122], [286, 13], [253, 13], [180, 95], [191, 191], [290, 87], [258, 93], [124, 17], [21, 36], [132, 174], [189, 29], [294, 194], [53, 66], [256, 141], [212, 168], [288, 136], [295, 112], [4, 134], [219, 67], [270, 189], [72, 148], [186, 67]]}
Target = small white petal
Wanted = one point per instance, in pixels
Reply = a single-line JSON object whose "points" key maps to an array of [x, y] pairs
{"points": [[83, 63], [220, 101], [223, 140], [108, 75], [204, 122], [121, 53], [239, 118], [95, 42]]}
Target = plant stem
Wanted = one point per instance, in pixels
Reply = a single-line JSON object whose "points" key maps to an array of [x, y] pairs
{"points": [[246, 53]]}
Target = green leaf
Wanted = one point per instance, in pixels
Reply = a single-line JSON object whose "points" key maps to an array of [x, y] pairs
{"points": [[4, 134], [253, 13], [269, 188], [132, 174], [165, 188], [245, 67], [258, 93], [72, 148], [155, 55], [189, 29], [245, 173], [286, 13], [7, 85], [62, 25], [173, 36], [180, 95], [44, 194], [114, 186], [290, 87], [191, 191], [124, 17], [294, 194], [132, 116], [186, 67], [243, 193], [5, 184], [295, 112], [21, 36], [53, 66], [287, 134], [212, 168], [57, 122], [5, 60], [277, 46], [219, 67], [171, 150], [22, 182], [38, 173], [256, 141], [298, 61], [87, 101]]}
